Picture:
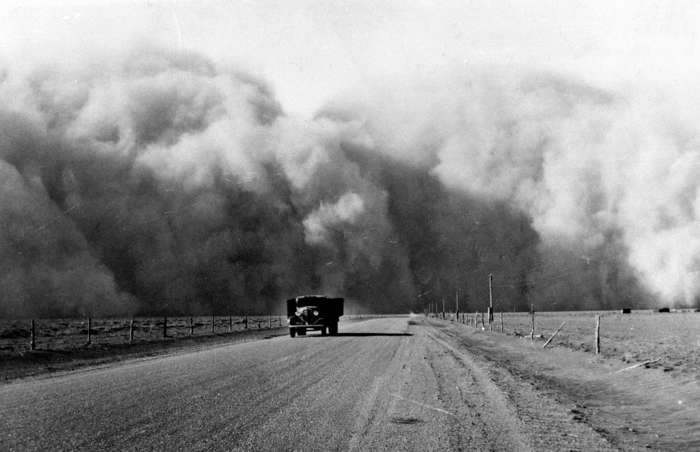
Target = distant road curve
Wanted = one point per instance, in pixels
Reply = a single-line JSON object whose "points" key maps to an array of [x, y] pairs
{"points": [[385, 383]]}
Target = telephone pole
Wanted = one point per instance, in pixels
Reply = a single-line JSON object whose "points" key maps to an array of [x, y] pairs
{"points": [[490, 298]]}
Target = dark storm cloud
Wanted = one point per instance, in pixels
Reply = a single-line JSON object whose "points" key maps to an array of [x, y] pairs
{"points": [[160, 182]]}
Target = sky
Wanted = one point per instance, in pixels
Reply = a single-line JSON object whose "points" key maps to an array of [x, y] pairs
{"points": [[310, 51], [253, 131]]}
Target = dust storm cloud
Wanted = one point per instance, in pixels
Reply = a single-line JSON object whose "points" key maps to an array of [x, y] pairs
{"points": [[159, 182]]}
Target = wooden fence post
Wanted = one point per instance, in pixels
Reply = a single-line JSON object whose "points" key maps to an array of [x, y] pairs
{"points": [[555, 333], [269, 321], [191, 326], [32, 341], [165, 326], [501, 321], [597, 334], [131, 330], [212, 323], [230, 324], [89, 331], [532, 321], [245, 322], [490, 309]]}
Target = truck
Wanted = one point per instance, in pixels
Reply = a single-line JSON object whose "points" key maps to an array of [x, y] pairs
{"points": [[314, 312]]}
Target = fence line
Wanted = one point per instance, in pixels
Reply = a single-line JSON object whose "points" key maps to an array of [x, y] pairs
{"points": [[525, 324], [61, 334], [18, 335]]}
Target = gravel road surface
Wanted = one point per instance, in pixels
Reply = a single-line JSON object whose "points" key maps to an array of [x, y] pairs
{"points": [[383, 384]]}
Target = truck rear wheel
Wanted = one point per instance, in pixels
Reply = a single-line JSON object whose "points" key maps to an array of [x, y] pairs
{"points": [[333, 329], [292, 332]]}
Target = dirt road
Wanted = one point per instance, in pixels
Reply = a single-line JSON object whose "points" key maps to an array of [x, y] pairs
{"points": [[393, 383]]}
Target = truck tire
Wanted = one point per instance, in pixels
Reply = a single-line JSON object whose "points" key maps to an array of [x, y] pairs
{"points": [[292, 332], [324, 330], [333, 329]]}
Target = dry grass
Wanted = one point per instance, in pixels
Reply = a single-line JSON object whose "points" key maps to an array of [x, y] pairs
{"points": [[67, 334], [672, 338]]}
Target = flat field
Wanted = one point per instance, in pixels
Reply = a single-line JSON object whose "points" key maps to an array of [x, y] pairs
{"points": [[670, 340], [67, 334]]}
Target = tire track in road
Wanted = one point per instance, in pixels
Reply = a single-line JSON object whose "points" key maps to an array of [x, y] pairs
{"points": [[389, 384], [328, 414], [400, 413], [486, 419], [510, 414]]}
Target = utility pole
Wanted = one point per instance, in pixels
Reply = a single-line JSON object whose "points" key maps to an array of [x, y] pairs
{"points": [[490, 298]]}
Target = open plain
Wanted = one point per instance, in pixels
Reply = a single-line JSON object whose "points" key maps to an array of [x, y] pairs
{"points": [[403, 383]]}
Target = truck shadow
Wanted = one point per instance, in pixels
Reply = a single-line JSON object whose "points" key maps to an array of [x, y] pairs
{"points": [[373, 334]]}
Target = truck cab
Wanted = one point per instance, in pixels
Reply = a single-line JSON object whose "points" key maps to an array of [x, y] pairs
{"points": [[315, 313]]}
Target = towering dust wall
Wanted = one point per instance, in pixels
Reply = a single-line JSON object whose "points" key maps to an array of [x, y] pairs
{"points": [[161, 183]]}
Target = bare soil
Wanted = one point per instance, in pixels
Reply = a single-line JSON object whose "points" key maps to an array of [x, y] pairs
{"points": [[670, 340], [634, 407], [69, 334], [29, 363], [382, 384], [63, 348]]}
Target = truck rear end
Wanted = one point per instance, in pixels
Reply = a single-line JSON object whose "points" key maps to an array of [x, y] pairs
{"points": [[315, 313]]}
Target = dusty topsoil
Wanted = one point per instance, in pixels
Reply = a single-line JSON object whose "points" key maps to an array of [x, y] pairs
{"points": [[634, 406], [43, 362]]}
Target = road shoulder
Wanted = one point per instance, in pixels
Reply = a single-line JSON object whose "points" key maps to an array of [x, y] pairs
{"points": [[633, 409], [47, 363]]}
